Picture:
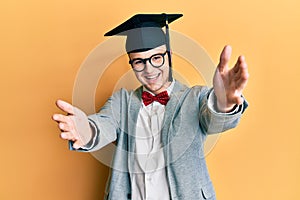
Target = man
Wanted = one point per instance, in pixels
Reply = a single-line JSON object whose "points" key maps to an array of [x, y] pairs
{"points": [[159, 128]]}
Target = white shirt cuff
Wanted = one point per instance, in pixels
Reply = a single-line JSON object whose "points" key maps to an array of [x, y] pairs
{"points": [[211, 102]]}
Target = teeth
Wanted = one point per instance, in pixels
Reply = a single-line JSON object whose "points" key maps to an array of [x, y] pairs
{"points": [[152, 77]]}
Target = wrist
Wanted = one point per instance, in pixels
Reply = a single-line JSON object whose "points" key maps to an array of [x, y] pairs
{"points": [[225, 108]]}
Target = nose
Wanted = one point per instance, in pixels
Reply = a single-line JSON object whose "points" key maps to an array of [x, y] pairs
{"points": [[148, 67]]}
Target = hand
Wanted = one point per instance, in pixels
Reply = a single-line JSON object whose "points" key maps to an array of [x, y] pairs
{"points": [[229, 83], [74, 126]]}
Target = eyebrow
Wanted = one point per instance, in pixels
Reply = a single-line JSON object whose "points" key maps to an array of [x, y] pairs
{"points": [[165, 50]]}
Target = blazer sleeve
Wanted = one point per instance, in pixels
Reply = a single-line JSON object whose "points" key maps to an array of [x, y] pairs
{"points": [[105, 123], [215, 122]]}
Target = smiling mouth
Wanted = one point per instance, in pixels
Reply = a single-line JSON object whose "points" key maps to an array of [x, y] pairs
{"points": [[152, 77]]}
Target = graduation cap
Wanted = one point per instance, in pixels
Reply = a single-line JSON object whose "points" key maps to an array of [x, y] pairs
{"points": [[144, 32]]}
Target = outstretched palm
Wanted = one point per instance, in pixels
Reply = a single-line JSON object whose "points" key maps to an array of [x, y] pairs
{"points": [[229, 83]]}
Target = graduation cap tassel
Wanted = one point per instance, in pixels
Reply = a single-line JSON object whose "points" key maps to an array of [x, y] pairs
{"points": [[168, 47]]}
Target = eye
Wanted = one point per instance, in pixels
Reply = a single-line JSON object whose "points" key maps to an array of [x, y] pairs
{"points": [[137, 62], [156, 57]]}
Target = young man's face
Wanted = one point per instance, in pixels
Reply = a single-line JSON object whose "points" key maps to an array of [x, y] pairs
{"points": [[154, 79]]}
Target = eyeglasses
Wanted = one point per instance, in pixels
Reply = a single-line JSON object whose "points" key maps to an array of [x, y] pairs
{"points": [[156, 60]]}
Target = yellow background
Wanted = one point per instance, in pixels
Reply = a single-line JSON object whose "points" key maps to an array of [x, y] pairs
{"points": [[43, 44]]}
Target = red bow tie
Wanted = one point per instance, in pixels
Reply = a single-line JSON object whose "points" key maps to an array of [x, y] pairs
{"points": [[162, 98]]}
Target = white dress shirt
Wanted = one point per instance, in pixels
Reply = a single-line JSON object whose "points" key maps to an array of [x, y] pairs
{"points": [[149, 181]]}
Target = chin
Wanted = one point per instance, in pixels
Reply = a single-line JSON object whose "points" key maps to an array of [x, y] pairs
{"points": [[154, 87]]}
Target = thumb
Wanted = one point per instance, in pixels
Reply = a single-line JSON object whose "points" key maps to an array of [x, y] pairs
{"points": [[224, 58], [77, 144], [64, 106]]}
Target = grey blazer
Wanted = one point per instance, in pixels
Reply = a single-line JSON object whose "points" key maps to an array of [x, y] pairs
{"points": [[187, 122]]}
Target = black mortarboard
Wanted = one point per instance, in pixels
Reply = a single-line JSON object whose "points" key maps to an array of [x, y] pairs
{"points": [[144, 32]]}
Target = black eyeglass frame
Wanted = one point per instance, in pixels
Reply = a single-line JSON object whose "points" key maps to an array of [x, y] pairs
{"points": [[146, 59]]}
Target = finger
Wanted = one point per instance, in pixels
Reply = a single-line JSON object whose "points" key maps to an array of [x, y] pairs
{"points": [[224, 58], [77, 144], [64, 106], [65, 127], [241, 84], [238, 63], [242, 78], [239, 100], [61, 118], [68, 136], [240, 70]]}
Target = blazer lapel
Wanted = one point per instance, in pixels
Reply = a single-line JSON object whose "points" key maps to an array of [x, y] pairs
{"points": [[172, 106], [134, 106]]}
